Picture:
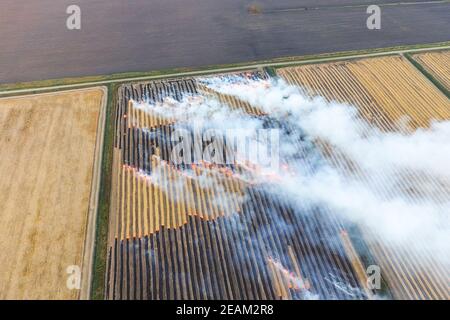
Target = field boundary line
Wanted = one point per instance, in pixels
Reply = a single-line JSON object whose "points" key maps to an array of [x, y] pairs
{"points": [[354, 6], [246, 67], [428, 75], [100, 250], [91, 227]]}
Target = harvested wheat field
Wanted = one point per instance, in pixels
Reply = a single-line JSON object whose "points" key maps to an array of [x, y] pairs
{"points": [[438, 64], [48, 191], [389, 91], [393, 96]]}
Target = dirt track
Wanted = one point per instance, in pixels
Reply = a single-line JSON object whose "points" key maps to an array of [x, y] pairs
{"points": [[50, 143]]}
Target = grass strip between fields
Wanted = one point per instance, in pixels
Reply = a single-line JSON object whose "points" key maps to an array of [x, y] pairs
{"points": [[428, 74], [102, 223]]}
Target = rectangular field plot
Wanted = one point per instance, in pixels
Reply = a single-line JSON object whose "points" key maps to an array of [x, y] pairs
{"points": [[393, 96], [50, 149], [205, 231], [438, 64], [389, 91]]}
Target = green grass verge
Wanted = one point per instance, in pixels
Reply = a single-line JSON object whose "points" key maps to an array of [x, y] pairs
{"points": [[102, 223], [271, 71], [209, 69], [428, 75]]}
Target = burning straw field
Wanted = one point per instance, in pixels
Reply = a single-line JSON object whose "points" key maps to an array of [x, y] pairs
{"points": [[342, 176], [49, 173]]}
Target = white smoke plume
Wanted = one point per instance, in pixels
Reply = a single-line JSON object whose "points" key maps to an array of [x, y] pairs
{"points": [[401, 187]]}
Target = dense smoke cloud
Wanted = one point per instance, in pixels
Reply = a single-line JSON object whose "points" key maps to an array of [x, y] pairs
{"points": [[399, 184]]}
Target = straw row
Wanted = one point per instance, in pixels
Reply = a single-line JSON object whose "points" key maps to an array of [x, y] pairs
{"points": [[438, 63]]}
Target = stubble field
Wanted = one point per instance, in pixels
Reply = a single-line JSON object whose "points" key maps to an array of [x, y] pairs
{"points": [[50, 145]]}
